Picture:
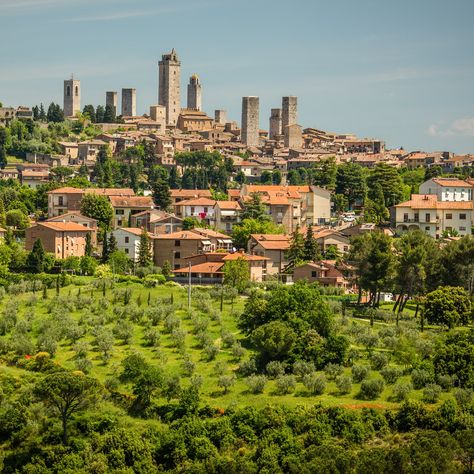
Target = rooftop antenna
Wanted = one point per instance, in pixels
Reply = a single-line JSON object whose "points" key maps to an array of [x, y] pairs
{"points": [[72, 76]]}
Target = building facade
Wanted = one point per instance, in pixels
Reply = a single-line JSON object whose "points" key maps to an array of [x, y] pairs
{"points": [[169, 72], [250, 121], [72, 97]]}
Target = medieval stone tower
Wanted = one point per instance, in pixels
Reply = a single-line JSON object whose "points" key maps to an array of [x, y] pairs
{"points": [[250, 121], [194, 93], [111, 100], [72, 97], [289, 113], [129, 102], [275, 124], [169, 89]]}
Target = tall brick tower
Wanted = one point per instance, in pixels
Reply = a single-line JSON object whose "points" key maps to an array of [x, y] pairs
{"points": [[289, 113], [72, 97], [111, 100], [275, 124], [250, 121], [169, 89], [194, 93], [129, 102]]}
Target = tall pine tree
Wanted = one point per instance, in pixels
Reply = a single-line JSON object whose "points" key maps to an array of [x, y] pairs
{"points": [[144, 250], [311, 247], [296, 252]]}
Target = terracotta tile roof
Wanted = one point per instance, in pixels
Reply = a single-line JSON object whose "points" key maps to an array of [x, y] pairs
{"points": [[207, 267], [200, 201], [233, 192], [210, 233], [131, 201], [111, 191], [64, 226], [229, 205], [136, 231], [449, 182], [190, 193], [430, 201], [244, 256], [70, 214], [181, 235], [34, 174], [67, 190]]}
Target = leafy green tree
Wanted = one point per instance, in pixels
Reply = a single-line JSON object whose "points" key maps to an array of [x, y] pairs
{"points": [[276, 177], [98, 207], [144, 250], [456, 265], [266, 177], [297, 251], [372, 255], [55, 113], [99, 114], [385, 178], [67, 393], [89, 112], [237, 274], [119, 262], [254, 208], [109, 114], [88, 246], [3, 157], [324, 173], [36, 260], [449, 306], [241, 232], [433, 172], [416, 253], [88, 265], [112, 244], [311, 252], [17, 219], [162, 194], [274, 340], [351, 182]]}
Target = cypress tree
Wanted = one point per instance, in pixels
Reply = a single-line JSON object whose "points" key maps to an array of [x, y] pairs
{"points": [[36, 258], [144, 251], [112, 244], [88, 247], [105, 248], [311, 247]]}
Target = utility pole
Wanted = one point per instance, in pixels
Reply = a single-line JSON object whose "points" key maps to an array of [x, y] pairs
{"points": [[189, 288]]}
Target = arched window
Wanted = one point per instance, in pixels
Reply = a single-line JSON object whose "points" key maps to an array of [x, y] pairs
{"points": [[77, 91], [68, 91]]}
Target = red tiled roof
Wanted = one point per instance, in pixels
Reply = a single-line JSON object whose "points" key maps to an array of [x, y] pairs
{"points": [[64, 226], [452, 182], [200, 201], [131, 201], [207, 267]]}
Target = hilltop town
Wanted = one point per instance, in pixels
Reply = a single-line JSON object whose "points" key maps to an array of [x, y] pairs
{"points": [[180, 292]]}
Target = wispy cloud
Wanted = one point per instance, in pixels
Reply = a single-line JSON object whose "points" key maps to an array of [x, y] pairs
{"points": [[462, 127], [144, 12]]}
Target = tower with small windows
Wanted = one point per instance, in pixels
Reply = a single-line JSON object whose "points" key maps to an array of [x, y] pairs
{"points": [[194, 93], [72, 97], [169, 86]]}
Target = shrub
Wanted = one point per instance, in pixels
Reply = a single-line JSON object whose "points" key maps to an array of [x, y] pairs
{"points": [[391, 374], [188, 366], [431, 393], [420, 378], [237, 350], [359, 372], [228, 339], [83, 364], [171, 322], [248, 367], [378, 360], [315, 383], [285, 384], [179, 336], [275, 368], [401, 390], [151, 337], [81, 348], [210, 351], [344, 383], [302, 368], [446, 382], [333, 370], [123, 331], [371, 389], [256, 383], [225, 382], [463, 396]]}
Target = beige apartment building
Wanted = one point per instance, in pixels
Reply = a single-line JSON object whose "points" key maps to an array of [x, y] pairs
{"points": [[63, 239], [426, 212], [126, 206]]}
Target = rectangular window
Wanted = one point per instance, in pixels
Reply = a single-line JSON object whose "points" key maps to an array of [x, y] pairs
{"points": [[449, 216], [428, 217], [60, 201], [119, 212], [417, 217], [314, 274], [462, 217], [127, 240], [427, 227], [405, 217], [177, 243], [462, 229], [177, 255], [126, 250]]}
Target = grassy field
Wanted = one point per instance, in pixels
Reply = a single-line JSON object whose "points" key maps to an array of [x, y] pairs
{"points": [[100, 310]]}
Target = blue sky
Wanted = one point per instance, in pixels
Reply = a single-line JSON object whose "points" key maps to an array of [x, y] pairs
{"points": [[401, 71]]}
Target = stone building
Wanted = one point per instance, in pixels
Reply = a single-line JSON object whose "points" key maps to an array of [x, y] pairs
{"points": [[220, 116], [158, 114], [250, 121], [293, 136], [275, 124], [194, 93], [129, 102], [111, 99], [72, 97], [169, 86], [289, 112]]}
